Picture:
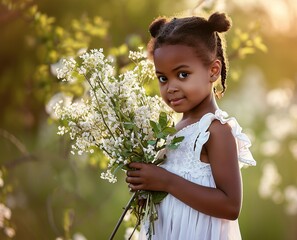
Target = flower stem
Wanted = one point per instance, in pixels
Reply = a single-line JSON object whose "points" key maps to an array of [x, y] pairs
{"points": [[122, 216]]}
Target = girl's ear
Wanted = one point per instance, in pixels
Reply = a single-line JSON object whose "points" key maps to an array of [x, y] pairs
{"points": [[215, 70]]}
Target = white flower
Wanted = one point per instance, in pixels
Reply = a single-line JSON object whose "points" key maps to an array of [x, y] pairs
{"points": [[116, 111], [291, 198], [79, 236], [10, 232], [54, 67], [270, 181], [280, 98], [5, 212], [270, 147], [1, 179], [109, 176]]}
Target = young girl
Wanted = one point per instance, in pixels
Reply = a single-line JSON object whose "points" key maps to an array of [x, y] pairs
{"points": [[202, 176]]}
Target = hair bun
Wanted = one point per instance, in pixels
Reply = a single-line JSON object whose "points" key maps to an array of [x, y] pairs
{"points": [[219, 22], [156, 25]]}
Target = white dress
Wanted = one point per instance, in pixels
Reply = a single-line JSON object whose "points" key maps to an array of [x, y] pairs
{"points": [[178, 221]]}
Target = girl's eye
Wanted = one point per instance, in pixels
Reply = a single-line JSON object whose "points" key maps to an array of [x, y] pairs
{"points": [[162, 79], [183, 75]]}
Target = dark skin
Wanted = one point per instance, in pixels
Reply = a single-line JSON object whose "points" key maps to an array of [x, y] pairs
{"points": [[220, 151]]}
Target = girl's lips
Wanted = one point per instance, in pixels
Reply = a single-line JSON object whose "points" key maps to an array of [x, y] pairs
{"points": [[176, 101]]}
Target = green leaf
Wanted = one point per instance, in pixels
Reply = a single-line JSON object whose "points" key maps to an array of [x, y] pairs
{"points": [[136, 158], [155, 126], [125, 154], [129, 125], [172, 146], [169, 130], [128, 144], [158, 196], [152, 142], [175, 142], [163, 119], [160, 135], [177, 139], [120, 166], [68, 221]]}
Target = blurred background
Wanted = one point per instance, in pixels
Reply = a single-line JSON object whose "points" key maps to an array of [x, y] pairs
{"points": [[47, 193]]}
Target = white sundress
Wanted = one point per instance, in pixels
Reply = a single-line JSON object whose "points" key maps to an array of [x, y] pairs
{"points": [[178, 221]]}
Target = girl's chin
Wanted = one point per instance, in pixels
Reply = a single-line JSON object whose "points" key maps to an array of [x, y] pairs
{"points": [[177, 109]]}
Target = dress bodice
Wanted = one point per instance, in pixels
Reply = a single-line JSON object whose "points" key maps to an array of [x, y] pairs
{"points": [[186, 158]]}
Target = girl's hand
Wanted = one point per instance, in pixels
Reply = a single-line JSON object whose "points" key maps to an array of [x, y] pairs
{"points": [[147, 177]]}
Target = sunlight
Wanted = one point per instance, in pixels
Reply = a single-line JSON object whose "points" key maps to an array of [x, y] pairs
{"points": [[282, 14]]}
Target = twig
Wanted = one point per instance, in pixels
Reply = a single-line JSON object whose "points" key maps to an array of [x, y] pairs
{"points": [[22, 159], [122, 217], [16, 142], [50, 215], [197, 6], [26, 155]]}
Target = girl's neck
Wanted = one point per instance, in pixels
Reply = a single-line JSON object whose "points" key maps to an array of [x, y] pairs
{"points": [[209, 105]]}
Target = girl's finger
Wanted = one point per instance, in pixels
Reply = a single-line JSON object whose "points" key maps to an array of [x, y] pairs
{"points": [[136, 165], [135, 187], [133, 180], [135, 173]]}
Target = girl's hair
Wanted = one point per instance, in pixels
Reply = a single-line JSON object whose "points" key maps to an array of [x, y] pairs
{"points": [[196, 32]]}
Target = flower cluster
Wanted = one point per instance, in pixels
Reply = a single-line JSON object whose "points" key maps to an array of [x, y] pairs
{"points": [[5, 214], [116, 115]]}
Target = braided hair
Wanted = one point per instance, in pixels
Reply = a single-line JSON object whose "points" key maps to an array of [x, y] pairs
{"points": [[197, 32]]}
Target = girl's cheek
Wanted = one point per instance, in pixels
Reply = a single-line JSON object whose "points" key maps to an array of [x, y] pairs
{"points": [[164, 98], [162, 91]]}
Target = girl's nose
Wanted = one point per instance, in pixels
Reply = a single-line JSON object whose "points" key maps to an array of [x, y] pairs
{"points": [[172, 88]]}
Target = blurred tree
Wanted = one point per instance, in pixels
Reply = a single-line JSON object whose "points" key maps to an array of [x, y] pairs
{"points": [[42, 43], [54, 195]]}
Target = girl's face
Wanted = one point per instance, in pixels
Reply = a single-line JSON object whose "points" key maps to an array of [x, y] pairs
{"points": [[185, 83]]}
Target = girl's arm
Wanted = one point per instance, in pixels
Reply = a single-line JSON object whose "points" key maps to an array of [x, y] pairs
{"points": [[224, 201]]}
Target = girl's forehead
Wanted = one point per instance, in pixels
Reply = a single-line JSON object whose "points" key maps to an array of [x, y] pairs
{"points": [[174, 54], [176, 48]]}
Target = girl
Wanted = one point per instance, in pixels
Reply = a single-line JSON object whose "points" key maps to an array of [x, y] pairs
{"points": [[202, 176]]}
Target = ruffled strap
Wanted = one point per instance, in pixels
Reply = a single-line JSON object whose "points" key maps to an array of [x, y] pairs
{"points": [[243, 142]]}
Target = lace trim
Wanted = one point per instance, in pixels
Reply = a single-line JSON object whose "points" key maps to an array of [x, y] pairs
{"points": [[185, 159], [243, 142]]}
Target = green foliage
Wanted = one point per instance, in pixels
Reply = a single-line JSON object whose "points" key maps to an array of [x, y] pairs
{"points": [[162, 130], [53, 42], [68, 222], [245, 43], [32, 42]]}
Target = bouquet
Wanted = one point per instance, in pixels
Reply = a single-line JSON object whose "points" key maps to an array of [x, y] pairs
{"points": [[117, 116]]}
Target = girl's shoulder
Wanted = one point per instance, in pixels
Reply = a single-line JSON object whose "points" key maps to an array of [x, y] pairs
{"points": [[223, 130], [220, 137]]}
